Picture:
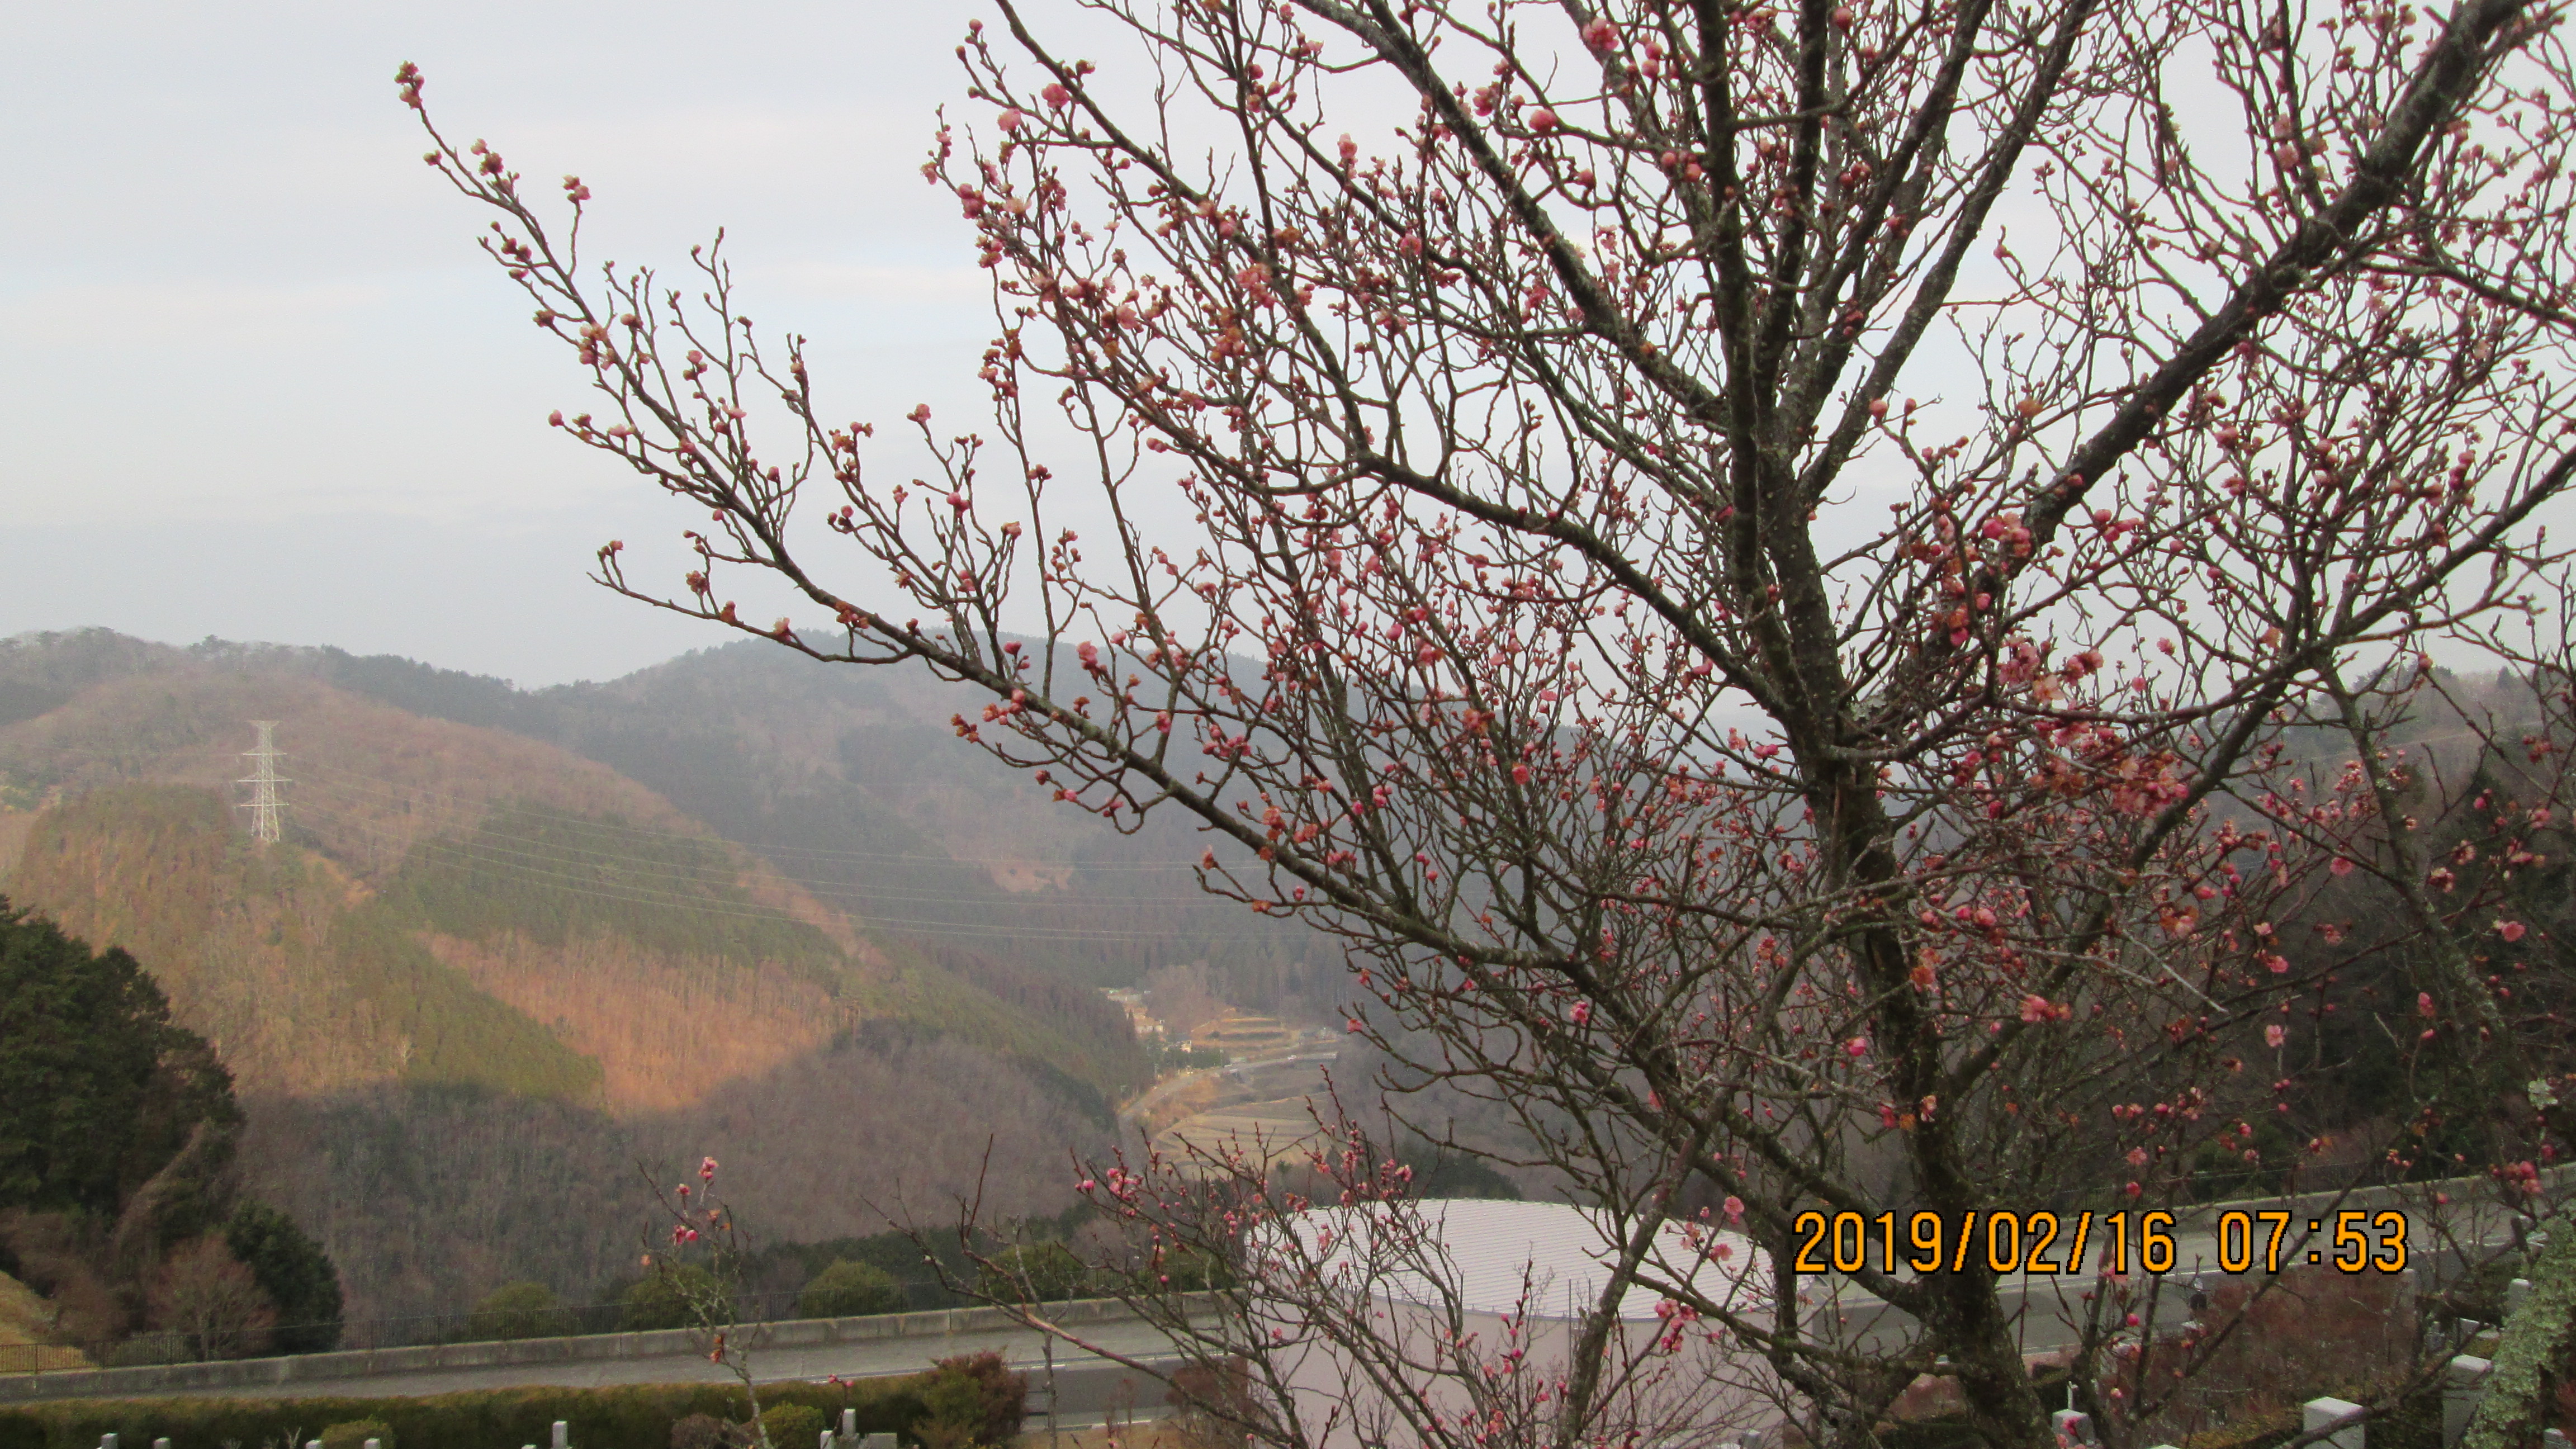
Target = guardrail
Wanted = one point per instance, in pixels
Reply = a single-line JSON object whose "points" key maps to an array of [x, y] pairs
{"points": [[287, 1372]]}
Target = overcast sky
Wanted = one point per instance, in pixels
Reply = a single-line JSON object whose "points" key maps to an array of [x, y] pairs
{"points": [[255, 380]]}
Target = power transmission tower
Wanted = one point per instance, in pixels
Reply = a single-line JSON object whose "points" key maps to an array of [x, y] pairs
{"points": [[264, 806]]}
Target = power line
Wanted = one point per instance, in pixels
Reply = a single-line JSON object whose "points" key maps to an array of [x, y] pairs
{"points": [[593, 823], [712, 874], [467, 854]]}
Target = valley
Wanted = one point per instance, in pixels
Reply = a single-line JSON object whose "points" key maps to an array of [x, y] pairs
{"points": [[519, 955]]}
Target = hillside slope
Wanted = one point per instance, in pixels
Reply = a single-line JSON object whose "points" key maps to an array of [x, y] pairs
{"points": [[851, 781], [483, 979]]}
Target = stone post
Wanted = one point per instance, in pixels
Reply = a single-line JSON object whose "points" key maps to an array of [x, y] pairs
{"points": [[2462, 1388], [2318, 1414]]}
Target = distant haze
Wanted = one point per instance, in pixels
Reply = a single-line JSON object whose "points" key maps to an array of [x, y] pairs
{"points": [[255, 381]]}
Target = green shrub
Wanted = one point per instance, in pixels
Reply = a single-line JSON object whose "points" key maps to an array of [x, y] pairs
{"points": [[355, 1433], [847, 1289], [971, 1399], [703, 1431], [792, 1426], [667, 1297], [627, 1416], [1033, 1272], [518, 1310]]}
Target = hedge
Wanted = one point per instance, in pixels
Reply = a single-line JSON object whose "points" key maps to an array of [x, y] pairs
{"points": [[635, 1416]]}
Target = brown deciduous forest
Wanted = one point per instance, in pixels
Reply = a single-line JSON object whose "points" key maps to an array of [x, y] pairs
{"points": [[515, 943]]}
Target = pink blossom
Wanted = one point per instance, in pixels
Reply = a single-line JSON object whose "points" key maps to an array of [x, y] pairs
{"points": [[1056, 95], [2423, 1003], [1857, 1047], [1582, 1013], [919, 414], [1013, 119], [2035, 1009], [707, 1170], [2341, 866], [1542, 120], [1734, 1207], [2511, 930], [2275, 1034]]}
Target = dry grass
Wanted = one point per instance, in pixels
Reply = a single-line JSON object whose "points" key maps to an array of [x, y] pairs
{"points": [[26, 1328]]}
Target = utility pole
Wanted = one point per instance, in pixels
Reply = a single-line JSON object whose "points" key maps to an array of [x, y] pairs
{"points": [[264, 806]]}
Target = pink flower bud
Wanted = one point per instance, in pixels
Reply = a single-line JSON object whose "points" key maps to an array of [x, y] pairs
{"points": [[1857, 1047], [919, 414], [2511, 930], [1542, 120]]}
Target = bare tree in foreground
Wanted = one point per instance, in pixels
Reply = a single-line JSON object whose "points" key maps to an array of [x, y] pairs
{"points": [[1768, 568]]}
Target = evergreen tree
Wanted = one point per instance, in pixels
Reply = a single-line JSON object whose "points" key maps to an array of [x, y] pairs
{"points": [[295, 1273], [99, 1091]]}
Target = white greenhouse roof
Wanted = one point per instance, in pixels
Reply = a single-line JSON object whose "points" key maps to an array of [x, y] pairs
{"points": [[1492, 1254]]}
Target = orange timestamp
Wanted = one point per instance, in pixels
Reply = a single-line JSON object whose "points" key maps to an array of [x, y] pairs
{"points": [[2242, 1241]]}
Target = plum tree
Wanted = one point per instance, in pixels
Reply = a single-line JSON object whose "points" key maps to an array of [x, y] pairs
{"points": [[1769, 568]]}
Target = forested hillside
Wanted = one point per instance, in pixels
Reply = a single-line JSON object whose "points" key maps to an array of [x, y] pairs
{"points": [[484, 975]]}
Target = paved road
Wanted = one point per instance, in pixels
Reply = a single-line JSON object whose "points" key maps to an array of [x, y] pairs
{"points": [[1021, 1348]]}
